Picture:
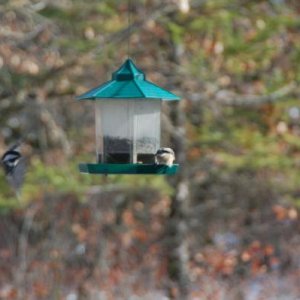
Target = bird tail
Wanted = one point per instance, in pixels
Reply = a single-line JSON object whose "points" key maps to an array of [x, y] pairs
{"points": [[16, 177]]}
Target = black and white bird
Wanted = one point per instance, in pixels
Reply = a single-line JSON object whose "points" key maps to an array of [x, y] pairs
{"points": [[14, 167], [165, 156]]}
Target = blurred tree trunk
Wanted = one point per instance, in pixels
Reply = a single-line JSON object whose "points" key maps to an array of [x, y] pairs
{"points": [[177, 229], [178, 250]]}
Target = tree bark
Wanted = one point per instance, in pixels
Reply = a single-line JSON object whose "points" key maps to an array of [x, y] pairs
{"points": [[178, 247]]}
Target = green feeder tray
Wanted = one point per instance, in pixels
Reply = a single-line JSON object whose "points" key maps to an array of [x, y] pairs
{"points": [[128, 169]]}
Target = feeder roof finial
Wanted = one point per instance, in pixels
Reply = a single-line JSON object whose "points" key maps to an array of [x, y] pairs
{"points": [[128, 71]]}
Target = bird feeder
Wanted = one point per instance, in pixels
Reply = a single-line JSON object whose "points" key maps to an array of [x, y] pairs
{"points": [[128, 121]]}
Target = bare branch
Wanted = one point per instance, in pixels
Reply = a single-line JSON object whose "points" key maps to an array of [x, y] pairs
{"points": [[23, 247], [57, 133], [227, 98], [31, 36]]}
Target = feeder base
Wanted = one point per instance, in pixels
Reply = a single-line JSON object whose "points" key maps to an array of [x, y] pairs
{"points": [[128, 169]]}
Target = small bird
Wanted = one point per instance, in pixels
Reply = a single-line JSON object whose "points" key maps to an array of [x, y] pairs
{"points": [[164, 156], [14, 167]]}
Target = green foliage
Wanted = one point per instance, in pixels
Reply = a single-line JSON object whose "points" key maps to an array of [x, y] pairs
{"points": [[177, 32], [7, 200], [54, 12]]}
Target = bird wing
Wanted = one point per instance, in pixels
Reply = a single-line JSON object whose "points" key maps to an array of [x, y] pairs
{"points": [[16, 176]]}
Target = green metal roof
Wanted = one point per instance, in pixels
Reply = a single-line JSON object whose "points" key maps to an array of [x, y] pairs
{"points": [[128, 82]]}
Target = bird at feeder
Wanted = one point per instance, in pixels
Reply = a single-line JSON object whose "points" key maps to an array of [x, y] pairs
{"points": [[165, 156]]}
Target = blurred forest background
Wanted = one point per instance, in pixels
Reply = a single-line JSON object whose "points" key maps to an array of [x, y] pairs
{"points": [[227, 226]]}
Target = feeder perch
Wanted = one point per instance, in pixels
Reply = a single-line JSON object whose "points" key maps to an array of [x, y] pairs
{"points": [[128, 120]]}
